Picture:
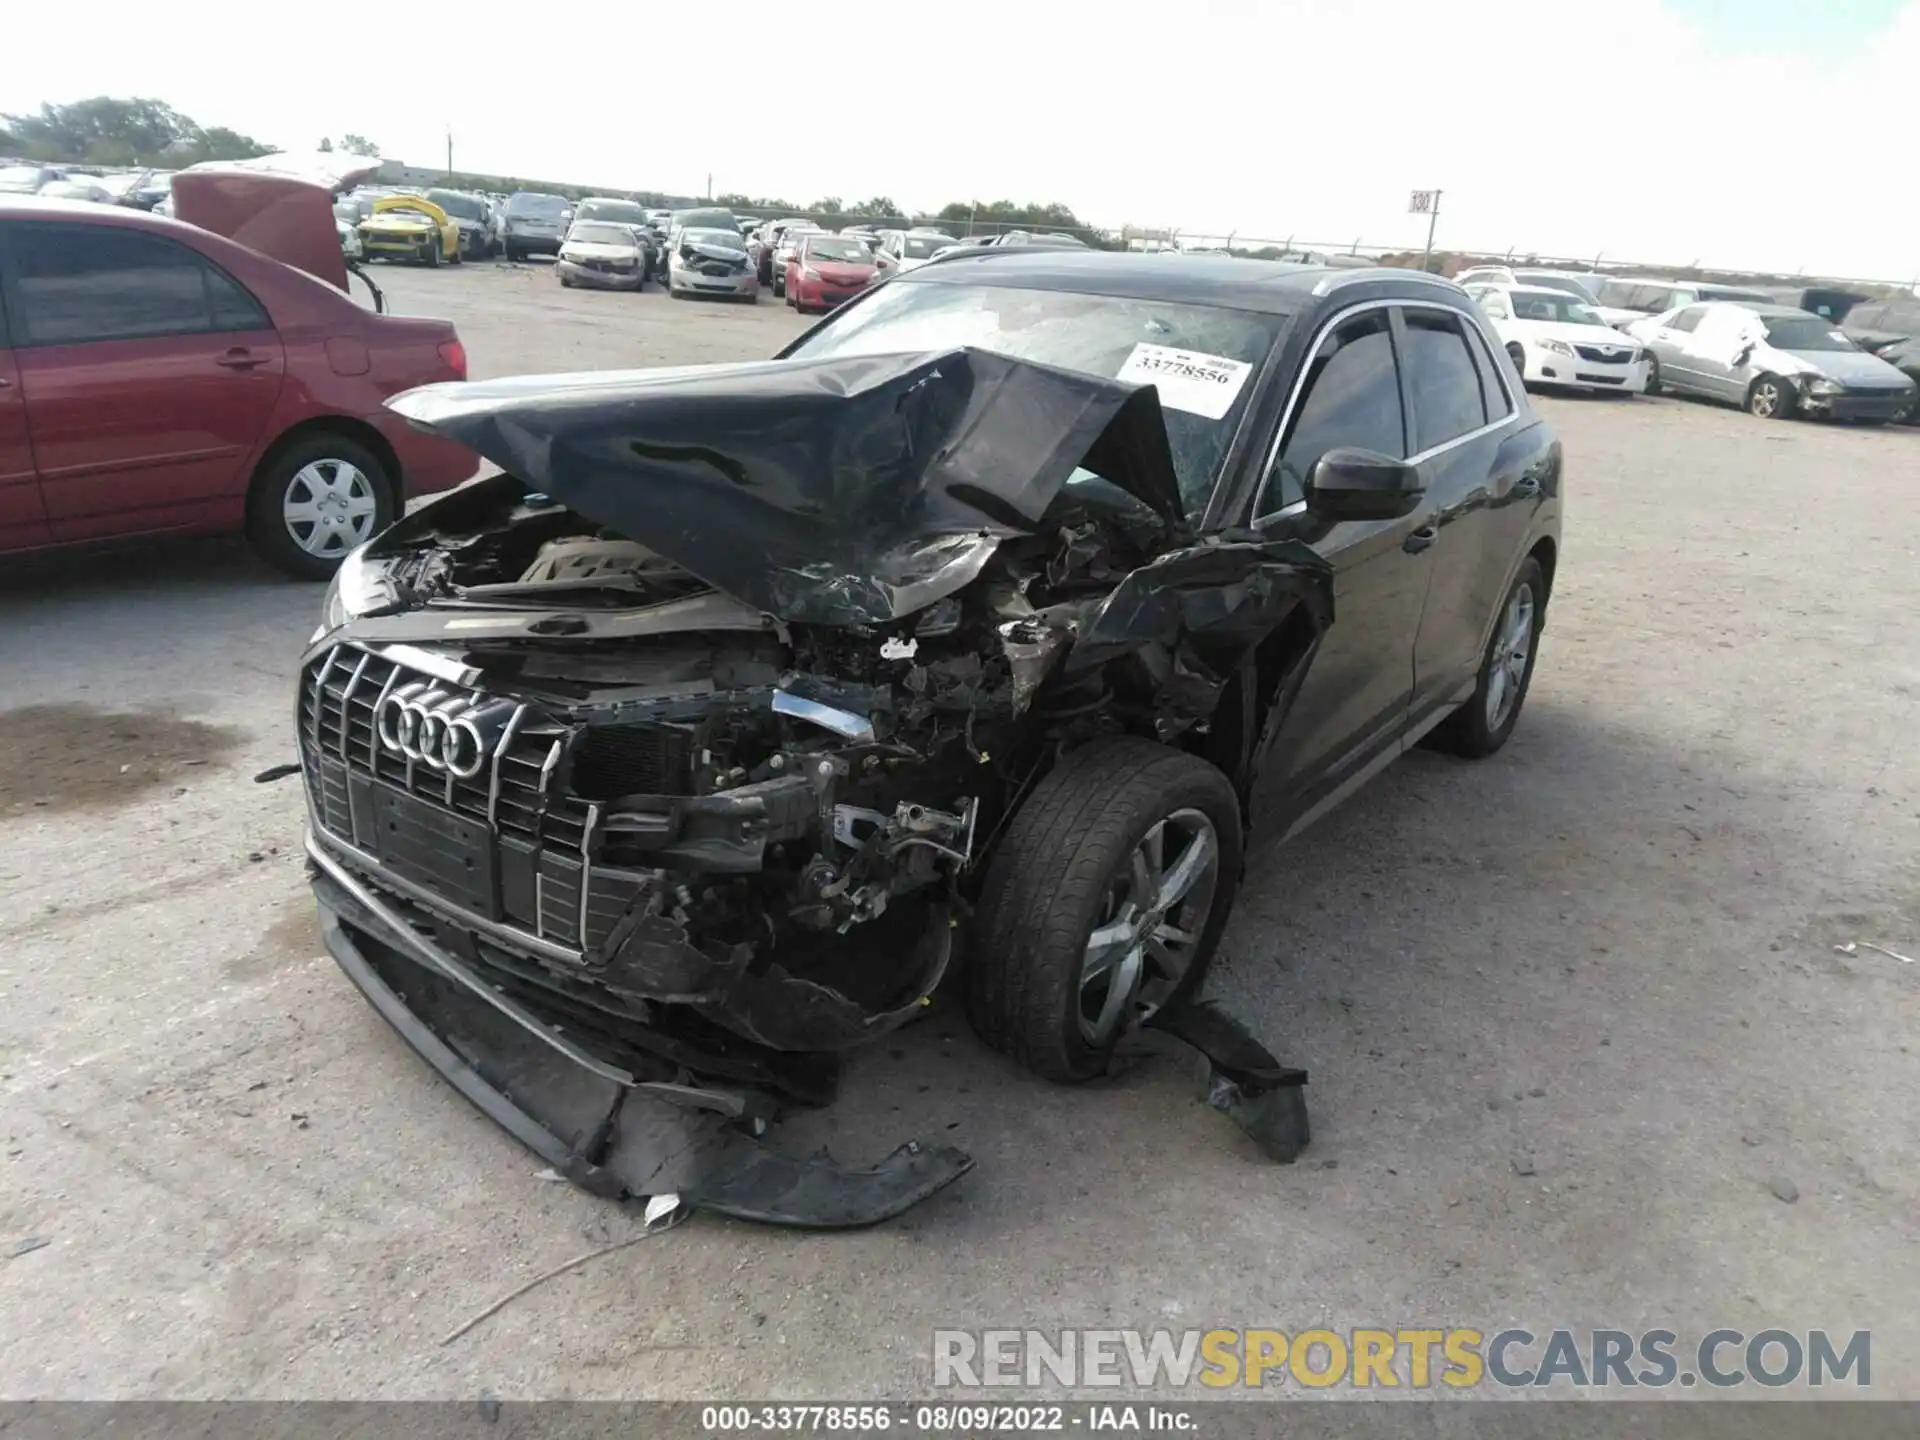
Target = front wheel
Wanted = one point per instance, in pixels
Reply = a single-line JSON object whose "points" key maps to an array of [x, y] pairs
{"points": [[1518, 354], [1770, 398], [316, 499], [1653, 377], [1482, 725], [1104, 903]]}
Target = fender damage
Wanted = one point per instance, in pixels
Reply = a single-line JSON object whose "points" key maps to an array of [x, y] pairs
{"points": [[651, 776]]}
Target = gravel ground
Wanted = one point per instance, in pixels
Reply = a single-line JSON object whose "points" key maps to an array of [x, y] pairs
{"points": [[1571, 1013]]}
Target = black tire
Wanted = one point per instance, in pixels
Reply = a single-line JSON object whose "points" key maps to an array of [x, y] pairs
{"points": [[512, 254], [1653, 377], [1518, 354], [1474, 731], [1771, 398], [432, 255], [1060, 865], [266, 523]]}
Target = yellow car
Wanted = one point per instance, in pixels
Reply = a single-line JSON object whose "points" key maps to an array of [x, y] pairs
{"points": [[410, 227]]}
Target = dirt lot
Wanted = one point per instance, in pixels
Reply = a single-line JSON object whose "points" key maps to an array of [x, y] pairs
{"points": [[1570, 1013]]}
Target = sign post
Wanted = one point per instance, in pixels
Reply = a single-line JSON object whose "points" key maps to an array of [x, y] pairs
{"points": [[1427, 203]]}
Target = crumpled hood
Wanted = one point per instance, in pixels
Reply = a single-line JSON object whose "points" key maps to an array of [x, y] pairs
{"points": [[1849, 367], [695, 249], [844, 491]]}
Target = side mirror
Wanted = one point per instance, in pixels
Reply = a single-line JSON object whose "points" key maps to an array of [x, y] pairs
{"points": [[1349, 483]]}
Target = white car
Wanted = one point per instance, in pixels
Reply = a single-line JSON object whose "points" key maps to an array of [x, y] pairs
{"points": [[910, 249], [1555, 338], [1483, 275], [602, 254], [706, 261]]}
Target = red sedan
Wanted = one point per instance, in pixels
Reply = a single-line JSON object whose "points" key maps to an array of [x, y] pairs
{"points": [[827, 269], [157, 378]]}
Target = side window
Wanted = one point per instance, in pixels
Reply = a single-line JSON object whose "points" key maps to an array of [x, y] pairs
{"points": [[1494, 305], [1352, 397], [1442, 381], [81, 283], [1499, 406], [1687, 320]]}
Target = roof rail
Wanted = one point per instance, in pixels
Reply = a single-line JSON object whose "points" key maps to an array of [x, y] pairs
{"points": [[1335, 279]]}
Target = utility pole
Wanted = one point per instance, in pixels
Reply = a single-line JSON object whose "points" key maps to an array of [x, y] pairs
{"points": [[449, 152], [709, 185]]}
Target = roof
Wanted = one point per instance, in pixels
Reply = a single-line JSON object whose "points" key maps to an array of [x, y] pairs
{"points": [[1271, 286], [1535, 290]]}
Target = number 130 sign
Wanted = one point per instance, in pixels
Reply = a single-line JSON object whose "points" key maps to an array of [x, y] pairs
{"points": [[1423, 202]]}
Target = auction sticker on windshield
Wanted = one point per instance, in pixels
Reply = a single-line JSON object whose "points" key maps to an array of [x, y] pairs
{"points": [[1188, 380]]}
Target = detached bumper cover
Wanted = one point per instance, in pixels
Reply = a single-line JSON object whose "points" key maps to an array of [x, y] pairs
{"points": [[608, 1132]]}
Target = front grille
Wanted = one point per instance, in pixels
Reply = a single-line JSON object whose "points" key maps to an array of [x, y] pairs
{"points": [[1599, 356], [1599, 379], [720, 268], [507, 844]]}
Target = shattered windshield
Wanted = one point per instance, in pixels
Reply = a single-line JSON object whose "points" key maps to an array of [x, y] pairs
{"points": [[1202, 359], [624, 211], [1805, 332], [601, 234], [716, 239]]}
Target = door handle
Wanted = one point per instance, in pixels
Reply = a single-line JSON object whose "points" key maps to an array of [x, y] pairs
{"points": [[1420, 539], [237, 359]]}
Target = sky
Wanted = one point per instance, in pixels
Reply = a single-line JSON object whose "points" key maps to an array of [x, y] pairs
{"points": [[1770, 134]]}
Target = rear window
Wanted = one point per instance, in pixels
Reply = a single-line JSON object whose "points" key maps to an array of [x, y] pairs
{"points": [[530, 206], [458, 205], [1886, 317], [709, 219], [625, 211]]}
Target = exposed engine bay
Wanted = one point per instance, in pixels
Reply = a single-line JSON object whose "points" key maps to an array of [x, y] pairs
{"points": [[690, 770]]}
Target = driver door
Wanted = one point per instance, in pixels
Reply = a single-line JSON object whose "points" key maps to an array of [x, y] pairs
{"points": [[1346, 721], [1714, 346]]}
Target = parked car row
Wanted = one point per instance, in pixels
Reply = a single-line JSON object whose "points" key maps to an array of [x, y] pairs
{"points": [[1824, 353]]}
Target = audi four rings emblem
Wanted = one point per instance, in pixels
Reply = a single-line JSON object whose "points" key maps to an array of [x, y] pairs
{"points": [[444, 730]]}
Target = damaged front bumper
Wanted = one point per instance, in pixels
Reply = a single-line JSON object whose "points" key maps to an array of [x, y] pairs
{"points": [[602, 1126], [632, 278]]}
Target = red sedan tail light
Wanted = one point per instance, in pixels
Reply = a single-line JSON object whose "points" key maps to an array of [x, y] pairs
{"points": [[455, 354]]}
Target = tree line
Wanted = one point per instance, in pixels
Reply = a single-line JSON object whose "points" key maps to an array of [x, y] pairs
{"points": [[106, 131]]}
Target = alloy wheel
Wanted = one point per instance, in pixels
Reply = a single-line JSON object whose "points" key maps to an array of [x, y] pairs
{"points": [[1149, 934], [1766, 400], [329, 507], [1512, 646]]}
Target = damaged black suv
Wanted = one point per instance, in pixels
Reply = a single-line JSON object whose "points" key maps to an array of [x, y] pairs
{"points": [[647, 777]]}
